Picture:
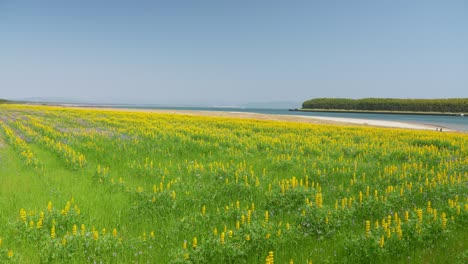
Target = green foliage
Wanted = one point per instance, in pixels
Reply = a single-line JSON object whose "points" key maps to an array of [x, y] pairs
{"points": [[457, 105]]}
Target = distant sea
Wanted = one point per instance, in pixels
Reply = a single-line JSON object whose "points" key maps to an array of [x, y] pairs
{"points": [[452, 122]]}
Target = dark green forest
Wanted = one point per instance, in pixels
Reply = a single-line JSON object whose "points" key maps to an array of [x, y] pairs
{"points": [[458, 105]]}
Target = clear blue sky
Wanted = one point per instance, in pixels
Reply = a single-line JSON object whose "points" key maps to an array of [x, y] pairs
{"points": [[232, 52]]}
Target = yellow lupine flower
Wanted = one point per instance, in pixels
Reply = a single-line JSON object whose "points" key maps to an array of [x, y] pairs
{"points": [[49, 206], [382, 242], [39, 223], [368, 227], [52, 232], [444, 221], [23, 215], [419, 212], [74, 229], [270, 258], [319, 200], [399, 232], [194, 242]]}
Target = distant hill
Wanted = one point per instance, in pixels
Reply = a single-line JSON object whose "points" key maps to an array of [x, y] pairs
{"points": [[2, 101], [50, 100], [451, 105]]}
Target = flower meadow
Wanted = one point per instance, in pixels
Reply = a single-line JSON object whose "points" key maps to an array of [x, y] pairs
{"points": [[115, 186]]}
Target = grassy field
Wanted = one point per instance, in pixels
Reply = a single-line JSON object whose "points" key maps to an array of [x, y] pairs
{"points": [[121, 187]]}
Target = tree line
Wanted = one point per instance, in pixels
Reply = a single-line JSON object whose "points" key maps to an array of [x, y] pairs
{"points": [[390, 104]]}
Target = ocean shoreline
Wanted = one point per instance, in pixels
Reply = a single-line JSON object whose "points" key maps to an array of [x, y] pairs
{"points": [[275, 117]]}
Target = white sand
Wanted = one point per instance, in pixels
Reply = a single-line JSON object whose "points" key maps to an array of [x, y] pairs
{"points": [[357, 121], [380, 123]]}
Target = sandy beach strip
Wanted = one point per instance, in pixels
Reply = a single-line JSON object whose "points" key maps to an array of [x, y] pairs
{"points": [[380, 123], [287, 118], [322, 120]]}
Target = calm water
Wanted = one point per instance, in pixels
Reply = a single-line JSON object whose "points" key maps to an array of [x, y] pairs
{"points": [[452, 122]]}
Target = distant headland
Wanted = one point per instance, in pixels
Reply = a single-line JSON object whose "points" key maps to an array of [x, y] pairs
{"points": [[449, 106]]}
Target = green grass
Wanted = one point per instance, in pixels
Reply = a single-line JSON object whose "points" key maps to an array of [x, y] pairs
{"points": [[215, 162]]}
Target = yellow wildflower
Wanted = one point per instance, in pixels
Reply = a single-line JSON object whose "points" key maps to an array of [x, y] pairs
{"points": [[194, 242], [368, 227], [23, 215], [52, 232], [382, 242]]}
